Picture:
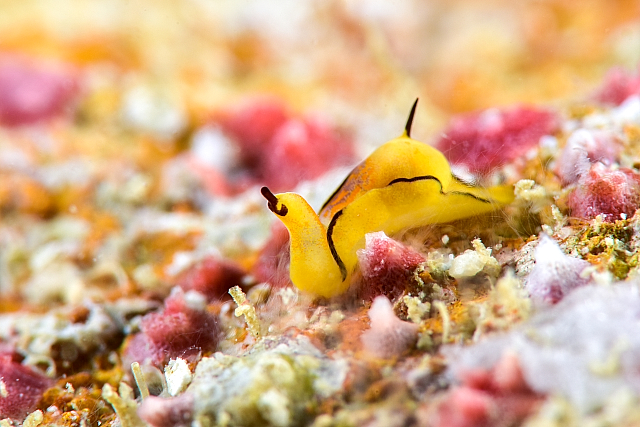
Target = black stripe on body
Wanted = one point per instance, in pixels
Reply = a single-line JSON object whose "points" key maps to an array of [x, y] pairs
{"points": [[427, 177], [332, 248], [332, 224]]}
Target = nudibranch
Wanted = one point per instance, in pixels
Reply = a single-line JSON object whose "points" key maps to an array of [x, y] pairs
{"points": [[403, 184]]}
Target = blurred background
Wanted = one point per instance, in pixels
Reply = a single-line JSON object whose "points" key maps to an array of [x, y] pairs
{"points": [[343, 57]]}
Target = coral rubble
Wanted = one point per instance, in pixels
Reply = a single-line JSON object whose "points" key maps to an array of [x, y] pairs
{"points": [[144, 283]]}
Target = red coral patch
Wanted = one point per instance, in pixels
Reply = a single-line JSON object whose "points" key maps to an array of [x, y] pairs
{"points": [[486, 140], [387, 266], [496, 397], [618, 85], [304, 149], [31, 92], [21, 388], [183, 329], [612, 193], [280, 150], [212, 277], [253, 124]]}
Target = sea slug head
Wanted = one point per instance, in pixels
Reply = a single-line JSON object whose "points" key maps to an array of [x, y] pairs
{"points": [[313, 267], [290, 208]]}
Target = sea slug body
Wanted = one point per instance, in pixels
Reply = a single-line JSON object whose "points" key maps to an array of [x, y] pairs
{"points": [[403, 184]]}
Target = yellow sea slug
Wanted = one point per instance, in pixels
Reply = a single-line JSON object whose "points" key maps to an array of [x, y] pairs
{"points": [[403, 184]]}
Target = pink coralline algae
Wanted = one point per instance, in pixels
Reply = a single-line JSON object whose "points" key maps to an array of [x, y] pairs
{"points": [[612, 193], [389, 336], [554, 274], [586, 146], [499, 397], [279, 150], [21, 388], [183, 329], [212, 277], [304, 149], [489, 139], [212, 179], [387, 266], [253, 124], [170, 412], [619, 84], [30, 92]]}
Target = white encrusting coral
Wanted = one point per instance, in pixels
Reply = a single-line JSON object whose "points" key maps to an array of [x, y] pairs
{"points": [[506, 305], [554, 274], [269, 385], [416, 309], [178, 376], [44, 335], [149, 110], [585, 348], [124, 404], [532, 194], [470, 263]]}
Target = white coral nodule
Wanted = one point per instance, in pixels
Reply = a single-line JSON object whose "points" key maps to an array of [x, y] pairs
{"points": [[555, 274]]}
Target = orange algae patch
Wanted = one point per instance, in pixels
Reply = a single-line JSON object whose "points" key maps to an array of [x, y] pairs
{"points": [[457, 324], [72, 199], [78, 397], [25, 195], [91, 48], [159, 248], [350, 330]]}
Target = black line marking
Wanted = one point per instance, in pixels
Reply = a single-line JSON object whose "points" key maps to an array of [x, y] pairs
{"points": [[407, 127], [478, 198], [332, 248], [416, 178], [427, 177]]}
